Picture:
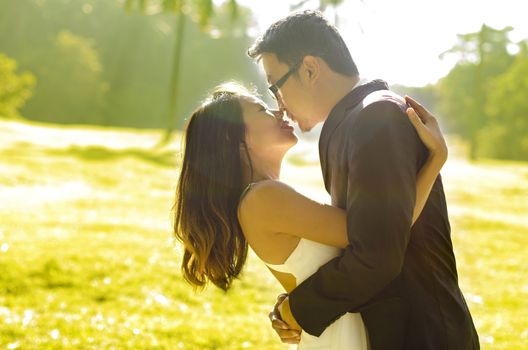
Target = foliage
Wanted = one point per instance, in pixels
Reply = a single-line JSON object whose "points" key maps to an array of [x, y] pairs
{"points": [[15, 88], [97, 64], [506, 133], [427, 95], [456, 103], [71, 86], [202, 10], [481, 98]]}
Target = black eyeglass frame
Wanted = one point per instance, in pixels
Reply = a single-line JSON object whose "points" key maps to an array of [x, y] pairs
{"points": [[274, 89]]}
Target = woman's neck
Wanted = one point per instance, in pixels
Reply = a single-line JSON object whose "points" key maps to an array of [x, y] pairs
{"points": [[262, 168]]}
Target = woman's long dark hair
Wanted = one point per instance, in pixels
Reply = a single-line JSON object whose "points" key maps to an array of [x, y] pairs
{"points": [[209, 189]]}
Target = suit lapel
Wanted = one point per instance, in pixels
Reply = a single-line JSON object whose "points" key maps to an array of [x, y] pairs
{"points": [[337, 115]]}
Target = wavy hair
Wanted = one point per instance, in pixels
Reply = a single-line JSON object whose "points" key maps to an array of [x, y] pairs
{"points": [[209, 189]]}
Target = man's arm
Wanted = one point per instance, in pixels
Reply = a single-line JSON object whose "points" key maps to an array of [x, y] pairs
{"points": [[382, 167]]}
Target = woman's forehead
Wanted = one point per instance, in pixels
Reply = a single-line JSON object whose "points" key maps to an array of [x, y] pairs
{"points": [[251, 101]]}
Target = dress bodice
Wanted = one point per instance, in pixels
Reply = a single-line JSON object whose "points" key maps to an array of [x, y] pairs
{"points": [[347, 332], [306, 259]]}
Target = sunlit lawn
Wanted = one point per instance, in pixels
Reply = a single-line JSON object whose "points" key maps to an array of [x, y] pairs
{"points": [[86, 259]]}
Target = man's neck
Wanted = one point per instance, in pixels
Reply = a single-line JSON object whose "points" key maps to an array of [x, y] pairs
{"points": [[341, 86]]}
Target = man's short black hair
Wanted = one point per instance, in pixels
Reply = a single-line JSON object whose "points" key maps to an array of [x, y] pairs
{"points": [[306, 33]]}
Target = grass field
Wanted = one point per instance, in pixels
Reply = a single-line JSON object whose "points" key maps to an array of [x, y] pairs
{"points": [[87, 261]]}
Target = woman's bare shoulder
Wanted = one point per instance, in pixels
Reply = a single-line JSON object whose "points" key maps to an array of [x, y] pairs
{"points": [[262, 192], [273, 207], [262, 195]]}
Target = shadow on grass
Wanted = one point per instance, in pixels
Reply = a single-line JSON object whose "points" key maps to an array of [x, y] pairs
{"points": [[98, 153]]}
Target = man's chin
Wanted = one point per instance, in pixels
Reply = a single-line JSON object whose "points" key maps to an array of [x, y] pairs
{"points": [[305, 128], [304, 125]]}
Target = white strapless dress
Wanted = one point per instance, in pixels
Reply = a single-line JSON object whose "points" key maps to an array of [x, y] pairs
{"points": [[347, 332]]}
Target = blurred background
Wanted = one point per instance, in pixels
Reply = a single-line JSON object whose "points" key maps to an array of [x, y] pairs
{"points": [[94, 96]]}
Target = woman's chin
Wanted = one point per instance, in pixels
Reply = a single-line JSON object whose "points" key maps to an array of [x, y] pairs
{"points": [[293, 141], [288, 141]]}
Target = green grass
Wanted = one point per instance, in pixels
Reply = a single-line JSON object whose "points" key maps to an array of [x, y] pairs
{"points": [[87, 261]]}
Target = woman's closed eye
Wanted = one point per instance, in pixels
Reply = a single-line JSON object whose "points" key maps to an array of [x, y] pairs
{"points": [[271, 113]]}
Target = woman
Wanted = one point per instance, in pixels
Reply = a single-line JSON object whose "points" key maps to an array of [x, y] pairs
{"points": [[229, 196]]}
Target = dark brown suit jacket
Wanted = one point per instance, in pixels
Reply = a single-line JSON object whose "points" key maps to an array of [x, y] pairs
{"points": [[402, 280]]}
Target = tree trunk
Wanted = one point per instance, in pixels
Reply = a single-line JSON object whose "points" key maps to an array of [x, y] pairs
{"points": [[478, 114], [179, 35]]}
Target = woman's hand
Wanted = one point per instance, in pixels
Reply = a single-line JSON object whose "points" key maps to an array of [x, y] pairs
{"points": [[287, 334], [287, 316], [428, 130]]}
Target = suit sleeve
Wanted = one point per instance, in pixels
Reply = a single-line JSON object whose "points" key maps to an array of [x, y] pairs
{"points": [[382, 167]]}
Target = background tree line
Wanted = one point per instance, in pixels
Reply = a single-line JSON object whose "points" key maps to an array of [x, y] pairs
{"points": [[117, 63], [484, 98], [99, 62]]}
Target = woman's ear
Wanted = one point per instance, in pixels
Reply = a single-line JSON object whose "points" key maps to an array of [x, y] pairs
{"points": [[312, 67]]}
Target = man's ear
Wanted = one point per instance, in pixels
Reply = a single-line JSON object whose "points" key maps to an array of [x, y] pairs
{"points": [[312, 67]]}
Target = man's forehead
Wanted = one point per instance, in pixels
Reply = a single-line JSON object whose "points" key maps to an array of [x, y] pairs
{"points": [[270, 63], [269, 58]]}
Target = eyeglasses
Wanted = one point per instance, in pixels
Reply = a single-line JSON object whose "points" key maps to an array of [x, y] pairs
{"points": [[274, 89]]}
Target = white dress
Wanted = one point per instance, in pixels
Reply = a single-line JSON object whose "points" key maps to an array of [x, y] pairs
{"points": [[347, 332]]}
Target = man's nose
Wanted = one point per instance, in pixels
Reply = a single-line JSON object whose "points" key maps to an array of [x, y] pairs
{"points": [[280, 103], [278, 113], [282, 111]]}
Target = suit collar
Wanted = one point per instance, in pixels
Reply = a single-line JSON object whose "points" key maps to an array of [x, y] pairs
{"points": [[350, 100], [338, 113]]}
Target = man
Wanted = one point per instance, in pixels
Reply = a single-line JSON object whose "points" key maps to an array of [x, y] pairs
{"points": [[402, 280]]}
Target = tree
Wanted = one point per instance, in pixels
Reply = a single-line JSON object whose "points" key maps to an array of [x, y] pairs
{"points": [[323, 5], [463, 92], [506, 133], [133, 55], [15, 88], [71, 87], [203, 10]]}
